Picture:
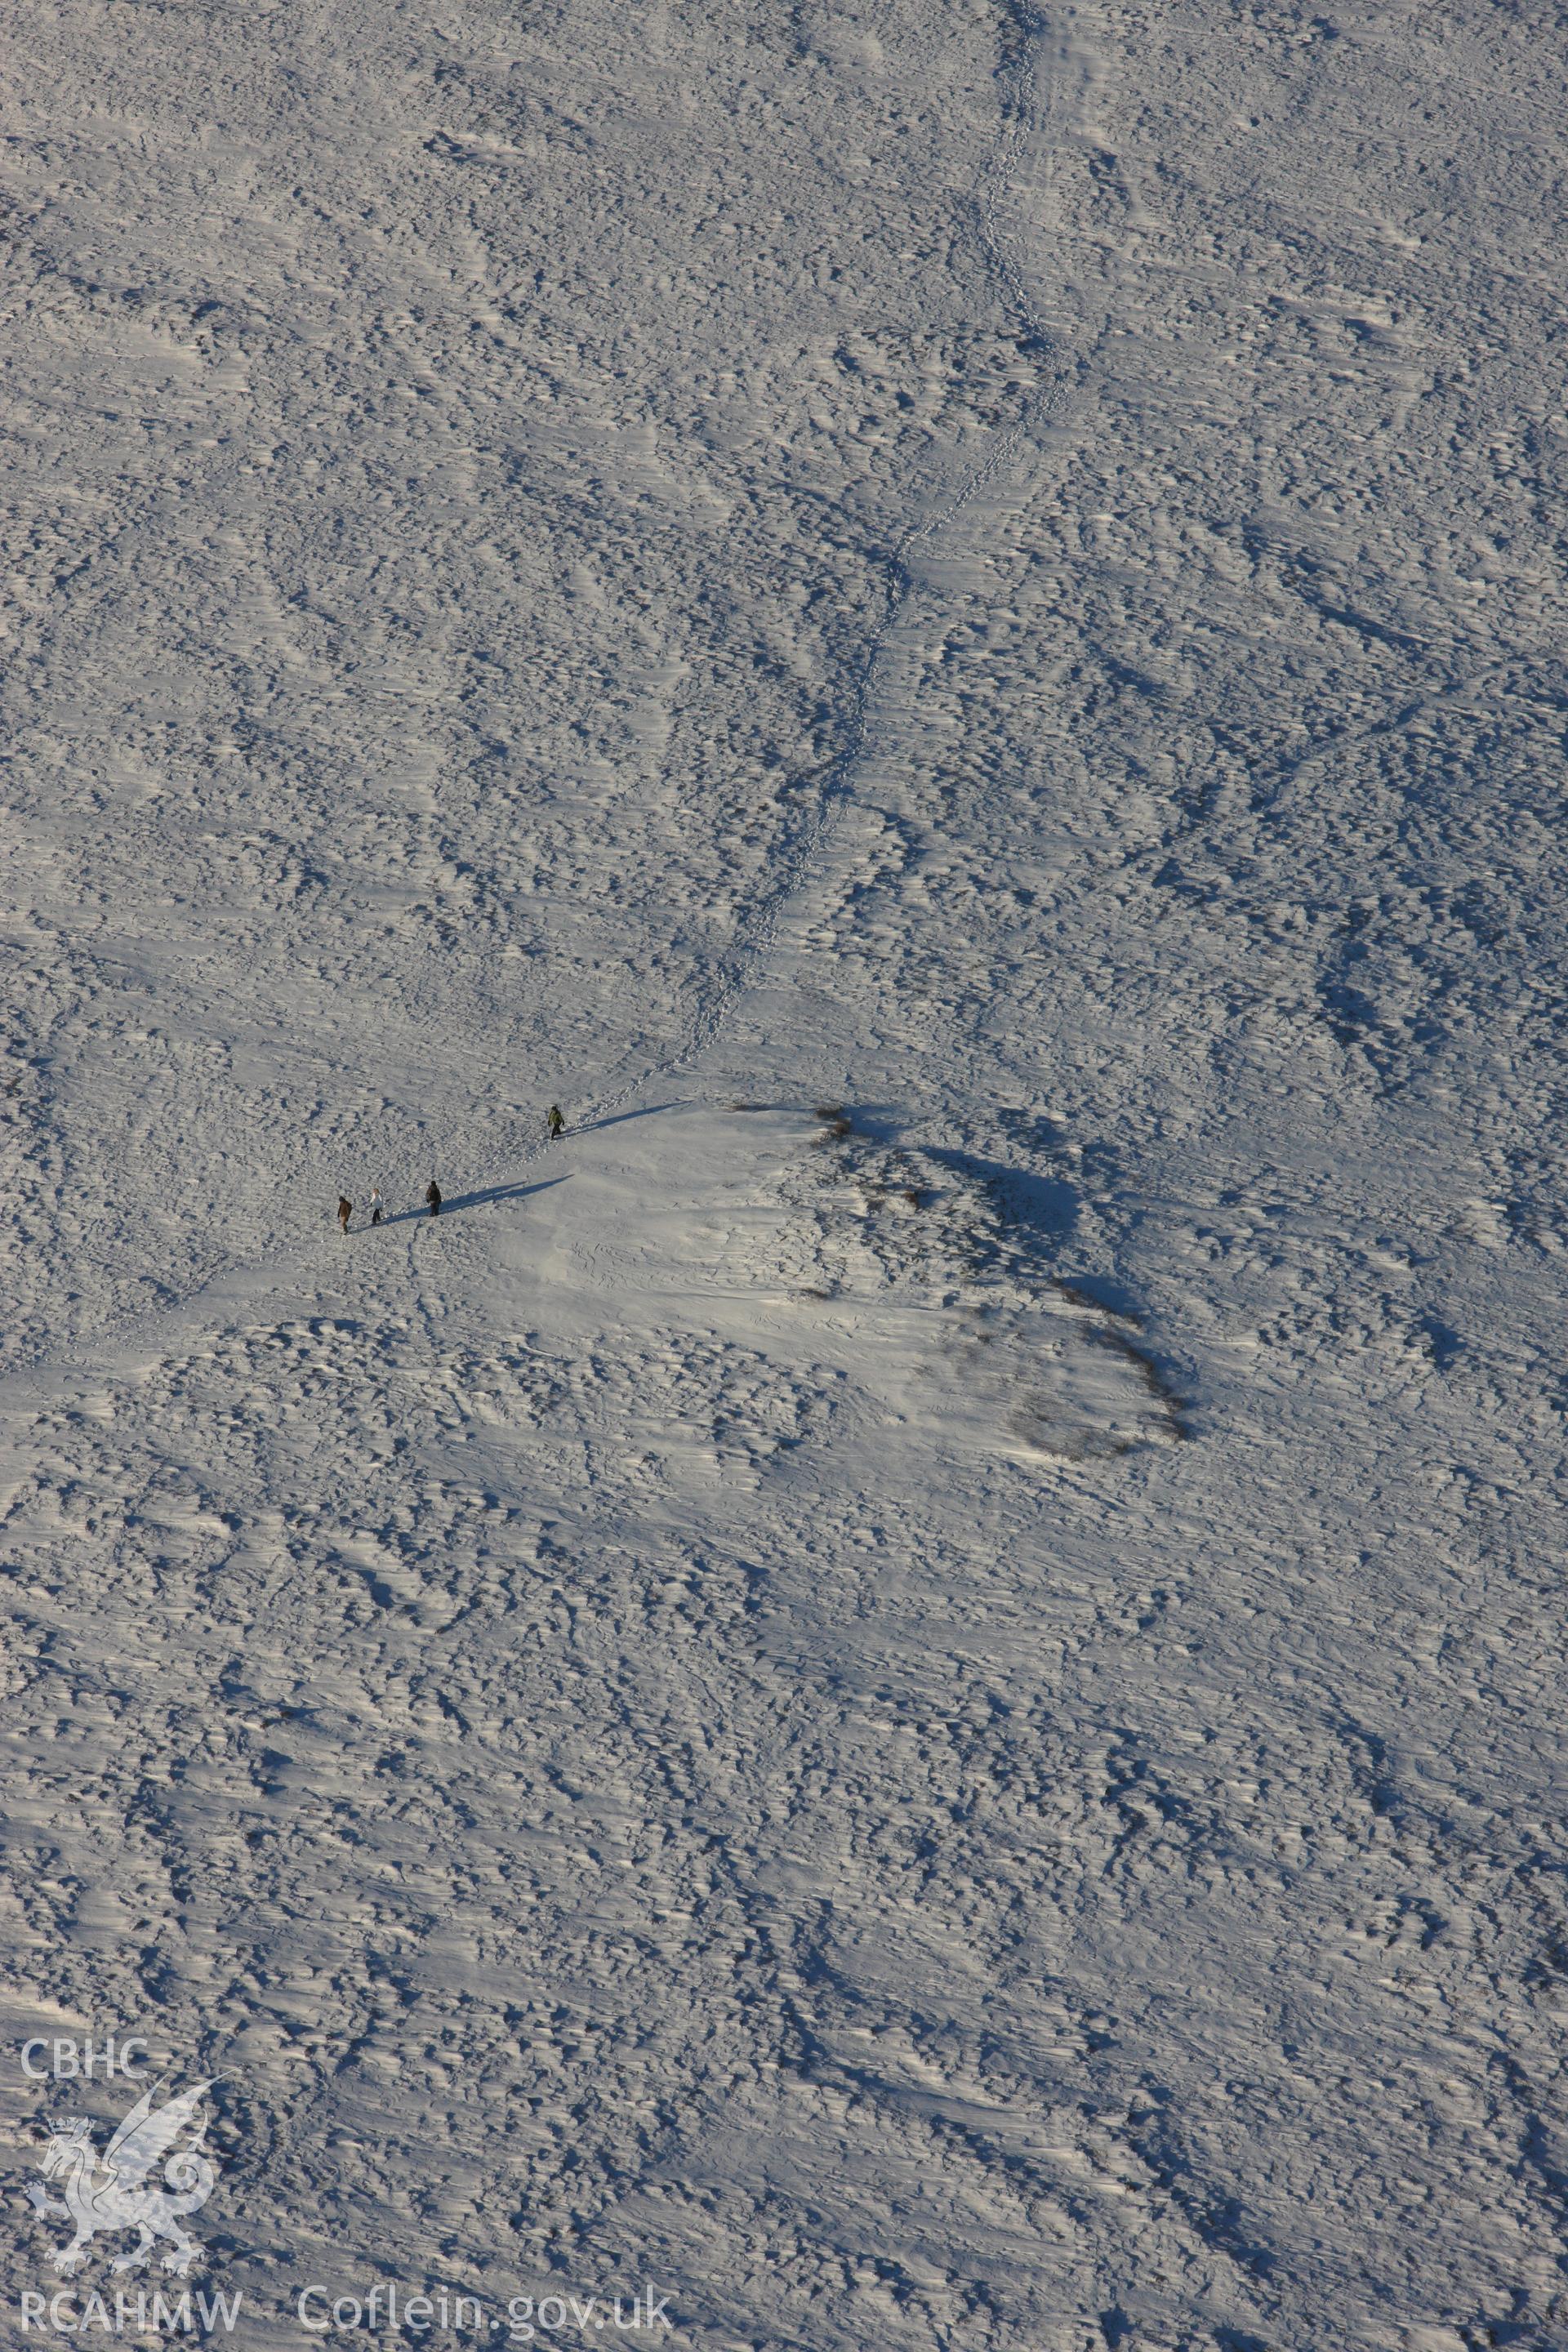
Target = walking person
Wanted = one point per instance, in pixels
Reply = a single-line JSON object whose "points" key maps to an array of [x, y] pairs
{"points": [[345, 1211], [553, 1122], [433, 1197], [375, 1206]]}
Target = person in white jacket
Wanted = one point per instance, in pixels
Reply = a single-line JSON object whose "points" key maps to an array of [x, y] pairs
{"points": [[375, 1206]]}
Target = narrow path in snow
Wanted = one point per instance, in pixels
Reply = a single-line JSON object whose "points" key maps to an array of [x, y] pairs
{"points": [[1029, 83]]}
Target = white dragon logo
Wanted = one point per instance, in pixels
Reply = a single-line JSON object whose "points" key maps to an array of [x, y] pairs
{"points": [[115, 2194]]}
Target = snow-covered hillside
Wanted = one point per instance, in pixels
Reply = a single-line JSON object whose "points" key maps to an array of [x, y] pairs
{"points": [[909, 1690]]}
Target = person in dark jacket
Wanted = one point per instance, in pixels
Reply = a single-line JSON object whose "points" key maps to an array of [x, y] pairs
{"points": [[553, 1122], [345, 1211], [434, 1197]]}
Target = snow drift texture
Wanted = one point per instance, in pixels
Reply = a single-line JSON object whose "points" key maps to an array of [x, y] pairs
{"points": [[913, 1686]]}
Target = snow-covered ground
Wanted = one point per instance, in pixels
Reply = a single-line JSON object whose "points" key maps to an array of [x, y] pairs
{"points": [[911, 1689]]}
